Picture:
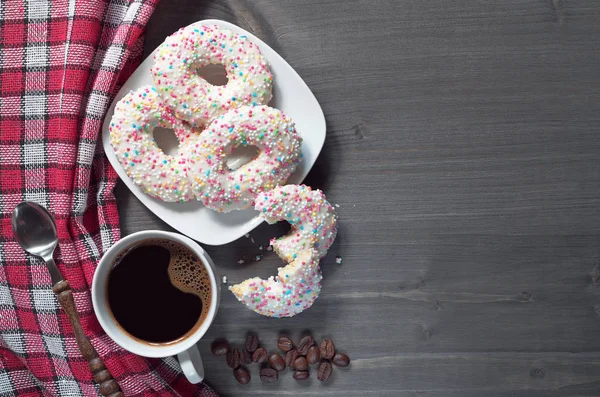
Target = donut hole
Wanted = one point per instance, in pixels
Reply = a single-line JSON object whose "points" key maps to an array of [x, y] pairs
{"points": [[241, 155], [166, 140], [213, 74]]}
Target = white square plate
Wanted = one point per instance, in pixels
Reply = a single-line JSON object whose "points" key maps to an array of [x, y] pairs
{"points": [[290, 94]]}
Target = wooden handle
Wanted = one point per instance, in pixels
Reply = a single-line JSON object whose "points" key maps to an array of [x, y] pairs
{"points": [[108, 386]]}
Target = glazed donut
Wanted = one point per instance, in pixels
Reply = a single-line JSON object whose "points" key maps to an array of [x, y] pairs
{"points": [[295, 289], [194, 99], [313, 219], [225, 190], [159, 175]]}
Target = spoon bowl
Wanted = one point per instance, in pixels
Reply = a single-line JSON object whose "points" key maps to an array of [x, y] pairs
{"points": [[35, 231]]}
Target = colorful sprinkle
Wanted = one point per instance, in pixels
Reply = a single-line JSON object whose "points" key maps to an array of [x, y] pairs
{"points": [[295, 288], [313, 219], [224, 190], [159, 175], [183, 89]]}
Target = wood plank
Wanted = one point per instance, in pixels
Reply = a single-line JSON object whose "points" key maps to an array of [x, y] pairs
{"points": [[462, 150], [489, 374]]}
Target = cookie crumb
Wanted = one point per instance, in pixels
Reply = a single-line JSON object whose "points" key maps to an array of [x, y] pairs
{"points": [[241, 261], [337, 206], [247, 235], [338, 260], [252, 240], [260, 247], [224, 279], [258, 257], [269, 248]]}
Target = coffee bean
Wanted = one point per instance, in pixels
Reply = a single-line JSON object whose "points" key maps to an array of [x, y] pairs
{"points": [[301, 375], [341, 360], [269, 375], [259, 355], [276, 362], [300, 364], [327, 349], [233, 358], [313, 356], [324, 371], [290, 357], [220, 347], [305, 344], [246, 357], [285, 344], [251, 343], [242, 375]]}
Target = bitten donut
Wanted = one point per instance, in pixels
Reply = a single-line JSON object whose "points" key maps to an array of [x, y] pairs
{"points": [[313, 219], [295, 288], [194, 99], [225, 190], [131, 128]]}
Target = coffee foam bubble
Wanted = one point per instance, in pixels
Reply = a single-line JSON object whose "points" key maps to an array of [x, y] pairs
{"points": [[186, 271]]}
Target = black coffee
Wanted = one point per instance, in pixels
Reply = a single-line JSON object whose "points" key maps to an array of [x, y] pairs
{"points": [[157, 291]]}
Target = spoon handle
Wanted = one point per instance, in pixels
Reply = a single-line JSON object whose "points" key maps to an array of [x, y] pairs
{"points": [[108, 386]]}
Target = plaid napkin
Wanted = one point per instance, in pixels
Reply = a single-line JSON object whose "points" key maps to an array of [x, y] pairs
{"points": [[60, 66]]}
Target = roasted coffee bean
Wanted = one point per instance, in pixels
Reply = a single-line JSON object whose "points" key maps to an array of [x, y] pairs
{"points": [[220, 347], [251, 343], [341, 360], [324, 371], [242, 375], [259, 355], [313, 356], [269, 375], [327, 349], [246, 357], [276, 362], [305, 344], [300, 364], [285, 344], [290, 357], [233, 358], [301, 375]]}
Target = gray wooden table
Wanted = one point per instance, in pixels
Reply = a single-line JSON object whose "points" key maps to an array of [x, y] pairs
{"points": [[463, 148]]}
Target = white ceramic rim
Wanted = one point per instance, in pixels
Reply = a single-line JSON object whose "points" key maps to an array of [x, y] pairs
{"points": [[227, 227], [109, 325]]}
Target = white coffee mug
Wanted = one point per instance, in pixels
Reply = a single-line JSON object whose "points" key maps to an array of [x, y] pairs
{"points": [[186, 350]]}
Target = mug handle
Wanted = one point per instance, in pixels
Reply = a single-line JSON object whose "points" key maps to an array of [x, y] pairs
{"points": [[191, 364]]}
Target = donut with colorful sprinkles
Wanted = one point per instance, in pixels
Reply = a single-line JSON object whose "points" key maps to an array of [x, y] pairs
{"points": [[176, 73], [131, 136], [294, 290], [279, 152], [313, 219]]}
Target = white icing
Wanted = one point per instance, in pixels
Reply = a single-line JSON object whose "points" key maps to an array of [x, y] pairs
{"points": [[194, 99], [131, 128], [225, 190], [313, 219], [294, 290]]}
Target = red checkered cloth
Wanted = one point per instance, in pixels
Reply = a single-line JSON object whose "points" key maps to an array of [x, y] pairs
{"points": [[60, 63]]}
